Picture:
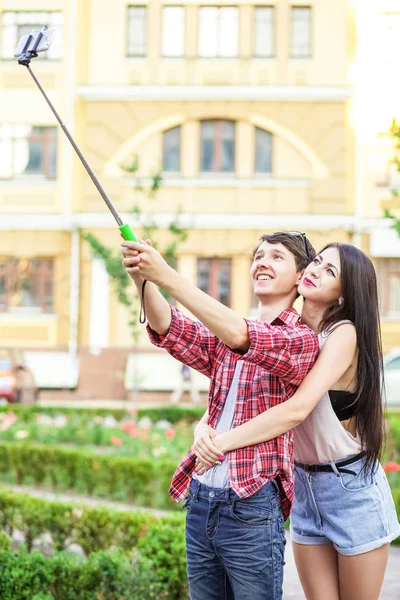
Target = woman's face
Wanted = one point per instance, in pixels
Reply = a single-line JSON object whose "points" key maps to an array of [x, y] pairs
{"points": [[321, 282]]}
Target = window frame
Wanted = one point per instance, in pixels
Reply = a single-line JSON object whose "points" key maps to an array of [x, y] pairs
{"points": [[214, 282], [49, 137], [42, 56], [217, 147], [271, 152], [292, 54], [43, 274], [165, 133], [182, 8], [386, 269], [218, 55], [257, 8], [130, 8]]}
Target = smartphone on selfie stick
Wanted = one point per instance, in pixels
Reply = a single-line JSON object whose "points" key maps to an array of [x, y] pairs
{"points": [[29, 47]]}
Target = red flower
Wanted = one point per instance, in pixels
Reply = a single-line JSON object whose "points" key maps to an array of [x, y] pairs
{"points": [[116, 440], [170, 433], [391, 467]]}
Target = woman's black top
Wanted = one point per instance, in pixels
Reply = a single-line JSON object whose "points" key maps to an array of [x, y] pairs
{"points": [[343, 404]]}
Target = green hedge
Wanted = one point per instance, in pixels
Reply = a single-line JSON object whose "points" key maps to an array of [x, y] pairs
{"points": [[158, 541], [396, 498], [93, 528], [143, 482], [105, 576], [173, 414]]}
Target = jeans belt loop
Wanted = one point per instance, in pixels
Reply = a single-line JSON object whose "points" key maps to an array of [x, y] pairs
{"points": [[335, 469]]}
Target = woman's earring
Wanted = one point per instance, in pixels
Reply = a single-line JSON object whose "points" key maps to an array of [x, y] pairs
{"points": [[340, 301]]}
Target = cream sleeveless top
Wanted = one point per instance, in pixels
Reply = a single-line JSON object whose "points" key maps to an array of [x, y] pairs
{"points": [[321, 438]]}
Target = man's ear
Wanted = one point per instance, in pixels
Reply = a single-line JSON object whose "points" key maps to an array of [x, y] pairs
{"points": [[300, 275]]}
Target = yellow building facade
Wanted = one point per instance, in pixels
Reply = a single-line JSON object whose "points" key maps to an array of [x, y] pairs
{"points": [[249, 110]]}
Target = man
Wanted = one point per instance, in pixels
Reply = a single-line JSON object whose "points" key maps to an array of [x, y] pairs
{"points": [[235, 512]]}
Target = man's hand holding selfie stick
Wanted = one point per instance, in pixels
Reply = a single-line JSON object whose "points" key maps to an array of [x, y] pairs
{"points": [[141, 260]]}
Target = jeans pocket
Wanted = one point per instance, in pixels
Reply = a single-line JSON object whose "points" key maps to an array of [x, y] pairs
{"points": [[251, 513], [357, 482], [187, 502]]}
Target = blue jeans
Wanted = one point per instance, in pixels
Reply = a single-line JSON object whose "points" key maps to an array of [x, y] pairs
{"points": [[234, 546]]}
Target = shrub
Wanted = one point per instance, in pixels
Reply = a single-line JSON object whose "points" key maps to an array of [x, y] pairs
{"points": [[93, 528], [142, 481], [105, 576]]}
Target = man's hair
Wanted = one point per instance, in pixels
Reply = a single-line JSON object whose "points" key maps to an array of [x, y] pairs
{"points": [[296, 244]]}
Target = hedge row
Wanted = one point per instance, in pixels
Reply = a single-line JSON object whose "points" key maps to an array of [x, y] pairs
{"points": [[91, 527], [143, 482], [173, 414], [58, 525], [396, 498], [105, 576]]}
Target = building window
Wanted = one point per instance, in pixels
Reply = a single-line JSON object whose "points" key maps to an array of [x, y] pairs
{"points": [[28, 151], [214, 278], [301, 40], [217, 146], [137, 31], [27, 285], [388, 272], [218, 32], [14, 25], [263, 161], [173, 32], [172, 150], [264, 41]]}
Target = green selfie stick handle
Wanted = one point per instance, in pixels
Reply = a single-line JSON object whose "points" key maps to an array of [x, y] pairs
{"points": [[127, 233]]}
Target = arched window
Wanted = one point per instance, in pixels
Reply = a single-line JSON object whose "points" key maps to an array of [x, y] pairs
{"points": [[217, 152], [263, 151], [172, 150]]}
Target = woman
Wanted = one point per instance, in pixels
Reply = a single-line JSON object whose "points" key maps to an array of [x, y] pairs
{"points": [[343, 517]]}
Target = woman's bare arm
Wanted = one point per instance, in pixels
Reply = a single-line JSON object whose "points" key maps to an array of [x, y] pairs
{"points": [[334, 360]]}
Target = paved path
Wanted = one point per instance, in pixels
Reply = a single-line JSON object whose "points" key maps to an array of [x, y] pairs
{"points": [[292, 588]]}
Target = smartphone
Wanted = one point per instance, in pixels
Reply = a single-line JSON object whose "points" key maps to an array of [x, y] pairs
{"points": [[44, 43]]}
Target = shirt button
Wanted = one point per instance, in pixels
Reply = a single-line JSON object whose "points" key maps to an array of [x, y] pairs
{"points": [[211, 494]]}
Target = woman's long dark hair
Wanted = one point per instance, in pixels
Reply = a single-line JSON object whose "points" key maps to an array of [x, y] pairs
{"points": [[361, 306]]}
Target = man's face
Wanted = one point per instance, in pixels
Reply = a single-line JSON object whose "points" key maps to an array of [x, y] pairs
{"points": [[274, 271]]}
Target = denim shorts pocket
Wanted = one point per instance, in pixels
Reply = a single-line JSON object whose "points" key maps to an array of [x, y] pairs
{"points": [[357, 482], [252, 513]]}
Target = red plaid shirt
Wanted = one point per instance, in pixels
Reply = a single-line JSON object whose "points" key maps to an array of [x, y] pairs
{"points": [[279, 357]]}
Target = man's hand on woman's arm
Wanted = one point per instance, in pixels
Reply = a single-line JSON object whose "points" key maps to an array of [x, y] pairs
{"points": [[203, 446]]}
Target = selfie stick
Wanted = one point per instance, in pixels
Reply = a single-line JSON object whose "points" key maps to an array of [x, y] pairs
{"points": [[30, 50]]}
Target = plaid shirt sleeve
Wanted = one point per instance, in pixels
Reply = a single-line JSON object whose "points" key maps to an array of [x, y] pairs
{"points": [[188, 341], [287, 352]]}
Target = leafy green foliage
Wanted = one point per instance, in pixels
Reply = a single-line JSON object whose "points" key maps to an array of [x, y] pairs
{"points": [[395, 133], [103, 576], [143, 481], [112, 258], [173, 414]]}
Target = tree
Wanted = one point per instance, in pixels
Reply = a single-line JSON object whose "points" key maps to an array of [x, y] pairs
{"points": [[122, 284], [395, 133]]}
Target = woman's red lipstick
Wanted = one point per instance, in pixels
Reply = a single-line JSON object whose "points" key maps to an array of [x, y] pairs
{"points": [[307, 281]]}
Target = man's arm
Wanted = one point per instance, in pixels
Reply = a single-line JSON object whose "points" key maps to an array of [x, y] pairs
{"points": [[334, 360], [158, 310], [144, 261], [186, 340]]}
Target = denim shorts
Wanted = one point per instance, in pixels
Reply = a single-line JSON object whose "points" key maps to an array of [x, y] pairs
{"points": [[353, 511]]}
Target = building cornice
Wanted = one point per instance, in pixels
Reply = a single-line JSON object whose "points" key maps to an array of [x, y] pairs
{"points": [[192, 93], [202, 221]]}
